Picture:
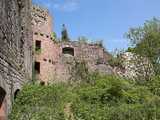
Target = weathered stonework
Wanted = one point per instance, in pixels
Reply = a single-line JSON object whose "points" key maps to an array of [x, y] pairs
{"points": [[53, 59], [45, 50], [15, 50], [92, 54]]}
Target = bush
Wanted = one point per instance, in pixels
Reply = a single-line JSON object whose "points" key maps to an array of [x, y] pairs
{"points": [[113, 98], [109, 98], [154, 85], [37, 102]]}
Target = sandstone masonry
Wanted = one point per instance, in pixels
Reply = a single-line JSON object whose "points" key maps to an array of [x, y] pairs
{"points": [[45, 50], [15, 50], [53, 59]]}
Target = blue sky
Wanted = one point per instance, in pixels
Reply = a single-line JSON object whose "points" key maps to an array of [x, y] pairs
{"points": [[106, 20]]}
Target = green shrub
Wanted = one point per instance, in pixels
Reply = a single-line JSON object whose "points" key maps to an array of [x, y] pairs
{"points": [[109, 98], [113, 98], [154, 85], [37, 102]]}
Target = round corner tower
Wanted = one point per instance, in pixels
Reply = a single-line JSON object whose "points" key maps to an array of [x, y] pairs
{"points": [[45, 51]]}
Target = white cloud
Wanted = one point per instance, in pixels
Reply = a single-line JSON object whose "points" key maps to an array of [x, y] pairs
{"points": [[61, 5], [67, 5]]}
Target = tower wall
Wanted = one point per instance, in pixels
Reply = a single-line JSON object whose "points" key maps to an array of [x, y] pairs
{"points": [[15, 50], [47, 54]]}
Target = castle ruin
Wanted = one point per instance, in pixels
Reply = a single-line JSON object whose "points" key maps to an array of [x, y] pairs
{"points": [[15, 50], [53, 59], [27, 43]]}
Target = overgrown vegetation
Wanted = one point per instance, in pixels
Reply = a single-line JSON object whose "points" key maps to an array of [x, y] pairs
{"points": [[109, 98], [79, 72], [38, 51], [116, 61], [37, 102], [53, 36], [113, 98], [146, 42], [97, 97]]}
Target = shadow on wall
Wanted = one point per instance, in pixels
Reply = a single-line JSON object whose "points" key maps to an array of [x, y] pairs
{"points": [[16, 93], [2, 104]]}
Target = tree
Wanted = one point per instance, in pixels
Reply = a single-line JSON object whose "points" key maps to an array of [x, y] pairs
{"points": [[83, 39], [53, 36], [65, 37], [146, 41]]}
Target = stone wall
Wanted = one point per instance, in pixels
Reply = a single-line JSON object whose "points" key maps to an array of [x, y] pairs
{"points": [[53, 59], [45, 50], [15, 50], [94, 55]]}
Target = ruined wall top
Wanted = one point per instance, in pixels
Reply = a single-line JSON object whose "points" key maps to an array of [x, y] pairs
{"points": [[42, 12], [41, 20]]}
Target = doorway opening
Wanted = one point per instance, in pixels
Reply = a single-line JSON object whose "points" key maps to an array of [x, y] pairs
{"points": [[37, 67], [68, 50]]}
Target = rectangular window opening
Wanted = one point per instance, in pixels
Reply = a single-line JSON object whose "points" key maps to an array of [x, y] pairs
{"points": [[37, 67], [68, 50], [38, 45]]}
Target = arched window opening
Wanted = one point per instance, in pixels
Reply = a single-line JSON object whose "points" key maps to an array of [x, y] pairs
{"points": [[2, 104], [16, 93], [2, 96], [68, 50]]}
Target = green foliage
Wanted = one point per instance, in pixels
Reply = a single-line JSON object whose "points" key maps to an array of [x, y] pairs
{"points": [[107, 98], [112, 98], [99, 43], [146, 41], [64, 33], [83, 40], [38, 51], [154, 85], [115, 62], [53, 36], [37, 102], [80, 73], [33, 73]]}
